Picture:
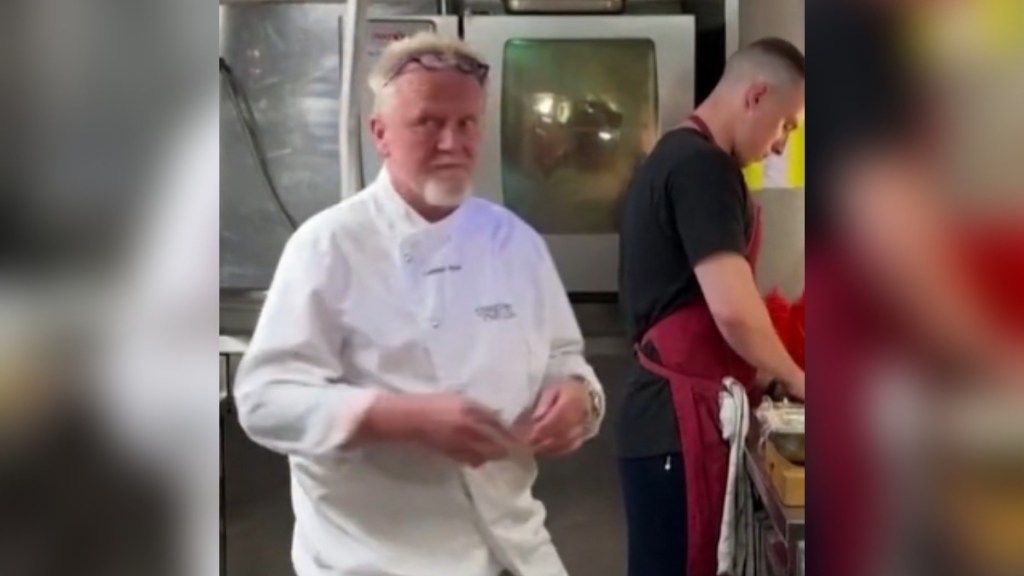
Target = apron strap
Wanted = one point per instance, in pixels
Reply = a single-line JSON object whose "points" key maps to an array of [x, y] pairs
{"points": [[702, 127], [653, 366]]}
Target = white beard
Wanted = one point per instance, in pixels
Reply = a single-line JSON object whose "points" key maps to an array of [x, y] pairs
{"points": [[445, 193]]}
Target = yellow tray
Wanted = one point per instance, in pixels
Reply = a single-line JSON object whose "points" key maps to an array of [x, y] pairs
{"points": [[787, 479]]}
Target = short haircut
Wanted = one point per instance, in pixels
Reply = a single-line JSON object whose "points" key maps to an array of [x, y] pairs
{"points": [[399, 52], [771, 59]]}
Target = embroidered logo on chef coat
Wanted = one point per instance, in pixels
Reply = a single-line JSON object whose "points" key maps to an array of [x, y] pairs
{"points": [[494, 312]]}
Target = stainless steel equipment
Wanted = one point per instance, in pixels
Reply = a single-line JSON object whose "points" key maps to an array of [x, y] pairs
{"points": [[559, 149], [286, 60], [565, 6], [286, 57]]}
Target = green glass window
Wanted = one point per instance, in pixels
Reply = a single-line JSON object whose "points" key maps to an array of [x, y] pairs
{"points": [[577, 116]]}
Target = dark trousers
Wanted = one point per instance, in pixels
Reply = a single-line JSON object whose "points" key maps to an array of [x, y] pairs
{"points": [[654, 493]]}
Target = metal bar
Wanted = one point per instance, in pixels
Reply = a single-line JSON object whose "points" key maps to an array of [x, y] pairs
{"points": [[788, 522], [353, 43], [224, 405], [732, 27]]}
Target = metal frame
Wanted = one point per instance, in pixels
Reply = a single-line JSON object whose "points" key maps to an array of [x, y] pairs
{"points": [[732, 26], [353, 39], [788, 522], [674, 37], [225, 410]]}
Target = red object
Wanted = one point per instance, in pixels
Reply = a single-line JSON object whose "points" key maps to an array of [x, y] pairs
{"points": [[779, 312], [788, 320], [993, 261], [797, 333], [694, 358], [850, 330]]}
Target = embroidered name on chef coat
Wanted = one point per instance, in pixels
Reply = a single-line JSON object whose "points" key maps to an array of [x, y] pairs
{"points": [[443, 269], [494, 312]]}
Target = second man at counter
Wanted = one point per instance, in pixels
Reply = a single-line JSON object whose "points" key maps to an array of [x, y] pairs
{"points": [[690, 238]]}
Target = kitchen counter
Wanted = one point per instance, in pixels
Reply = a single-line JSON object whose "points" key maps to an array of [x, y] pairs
{"points": [[788, 521]]}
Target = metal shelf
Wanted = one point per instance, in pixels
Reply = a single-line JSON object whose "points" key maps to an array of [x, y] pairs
{"points": [[788, 521]]}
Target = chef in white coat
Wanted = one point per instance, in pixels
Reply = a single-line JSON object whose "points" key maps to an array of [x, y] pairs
{"points": [[417, 350]]}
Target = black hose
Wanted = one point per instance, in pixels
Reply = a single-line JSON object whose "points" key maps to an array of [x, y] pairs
{"points": [[245, 114]]}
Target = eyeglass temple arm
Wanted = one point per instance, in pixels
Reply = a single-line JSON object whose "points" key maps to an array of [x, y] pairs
{"points": [[353, 41]]}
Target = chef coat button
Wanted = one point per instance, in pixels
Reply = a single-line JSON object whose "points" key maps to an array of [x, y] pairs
{"points": [[407, 256], [435, 323]]}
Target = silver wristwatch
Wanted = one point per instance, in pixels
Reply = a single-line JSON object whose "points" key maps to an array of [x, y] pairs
{"points": [[595, 404]]}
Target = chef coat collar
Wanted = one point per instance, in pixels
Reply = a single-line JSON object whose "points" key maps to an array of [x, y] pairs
{"points": [[402, 221]]}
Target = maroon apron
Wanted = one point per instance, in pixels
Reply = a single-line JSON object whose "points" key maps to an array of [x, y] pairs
{"points": [[694, 358]]}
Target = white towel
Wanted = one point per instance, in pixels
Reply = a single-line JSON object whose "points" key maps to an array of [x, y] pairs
{"points": [[733, 415]]}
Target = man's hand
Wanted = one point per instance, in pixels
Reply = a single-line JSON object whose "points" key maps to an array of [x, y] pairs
{"points": [[742, 317], [795, 388], [448, 423], [560, 419]]}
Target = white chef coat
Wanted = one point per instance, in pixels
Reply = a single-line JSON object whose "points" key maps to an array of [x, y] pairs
{"points": [[370, 297]]}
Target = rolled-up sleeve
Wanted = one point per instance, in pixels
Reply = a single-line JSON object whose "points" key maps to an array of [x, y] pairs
{"points": [[290, 391], [566, 357]]}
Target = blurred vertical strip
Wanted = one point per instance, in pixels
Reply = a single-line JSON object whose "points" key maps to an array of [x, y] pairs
{"points": [[915, 275], [101, 107], [855, 94], [12, 129]]}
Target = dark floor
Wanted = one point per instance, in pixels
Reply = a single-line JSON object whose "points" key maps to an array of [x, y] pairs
{"points": [[581, 493]]}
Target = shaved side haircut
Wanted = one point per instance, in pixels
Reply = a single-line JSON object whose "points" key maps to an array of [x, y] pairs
{"points": [[772, 60]]}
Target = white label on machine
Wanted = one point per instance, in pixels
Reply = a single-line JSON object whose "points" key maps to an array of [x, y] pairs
{"points": [[384, 32]]}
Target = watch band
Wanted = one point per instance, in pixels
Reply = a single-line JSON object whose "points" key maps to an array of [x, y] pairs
{"points": [[595, 404]]}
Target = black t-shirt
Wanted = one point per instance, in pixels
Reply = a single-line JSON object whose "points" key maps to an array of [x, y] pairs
{"points": [[686, 202]]}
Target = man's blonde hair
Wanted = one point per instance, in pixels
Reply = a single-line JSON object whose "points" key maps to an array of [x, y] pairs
{"points": [[401, 51]]}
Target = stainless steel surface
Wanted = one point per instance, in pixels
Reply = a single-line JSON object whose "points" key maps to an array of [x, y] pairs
{"points": [[377, 7], [789, 522], [718, 30], [801, 563], [574, 203], [711, 14], [566, 6], [353, 42], [252, 231], [732, 26], [286, 57], [792, 447]]}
